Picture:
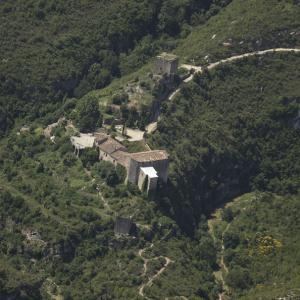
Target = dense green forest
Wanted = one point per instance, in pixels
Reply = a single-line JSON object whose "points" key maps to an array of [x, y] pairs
{"points": [[51, 50], [231, 131]]}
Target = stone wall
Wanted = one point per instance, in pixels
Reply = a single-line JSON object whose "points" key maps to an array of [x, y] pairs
{"points": [[106, 157], [163, 66], [152, 183]]}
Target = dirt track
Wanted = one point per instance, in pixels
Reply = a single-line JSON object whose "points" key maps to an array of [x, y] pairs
{"points": [[158, 273], [199, 69]]}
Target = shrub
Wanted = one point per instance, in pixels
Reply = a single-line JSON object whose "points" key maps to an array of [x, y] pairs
{"points": [[69, 159], [227, 215], [238, 278], [89, 157], [102, 169], [119, 99]]}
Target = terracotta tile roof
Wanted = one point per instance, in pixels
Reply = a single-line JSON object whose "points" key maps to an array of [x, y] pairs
{"points": [[121, 157], [100, 137], [110, 146], [147, 156]]}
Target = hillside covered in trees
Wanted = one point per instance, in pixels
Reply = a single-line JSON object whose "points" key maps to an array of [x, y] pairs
{"points": [[51, 50], [233, 129], [259, 232], [225, 225]]}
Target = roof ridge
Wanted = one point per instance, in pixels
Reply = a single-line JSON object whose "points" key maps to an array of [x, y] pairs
{"points": [[156, 150]]}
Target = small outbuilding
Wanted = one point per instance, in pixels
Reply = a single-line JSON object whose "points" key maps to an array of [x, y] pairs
{"points": [[124, 226]]}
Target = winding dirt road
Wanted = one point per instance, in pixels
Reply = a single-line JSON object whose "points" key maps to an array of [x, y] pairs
{"points": [[199, 69], [145, 266]]}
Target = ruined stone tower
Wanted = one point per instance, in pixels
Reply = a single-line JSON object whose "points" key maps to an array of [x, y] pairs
{"points": [[166, 64]]}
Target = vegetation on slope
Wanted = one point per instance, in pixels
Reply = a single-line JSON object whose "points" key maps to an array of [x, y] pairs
{"points": [[57, 233], [232, 130], [261, 246], [243, 26], [240, 27], [56, 49]]}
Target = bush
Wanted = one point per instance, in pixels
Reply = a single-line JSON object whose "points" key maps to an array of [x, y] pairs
{"points": [[102, 169], [238, 278], [112, 178], [227, 215], [89, 157], [121, 173], [231, 240], [69, 159], [119, 99]]}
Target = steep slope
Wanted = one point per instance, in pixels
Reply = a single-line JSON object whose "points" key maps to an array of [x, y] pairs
{"points": [[57, 236], [231, 130], [240, 27], [56, 49], [243, 26], [260, 246]]}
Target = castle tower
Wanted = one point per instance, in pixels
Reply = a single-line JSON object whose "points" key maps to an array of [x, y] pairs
{"points": [[166, 64]]}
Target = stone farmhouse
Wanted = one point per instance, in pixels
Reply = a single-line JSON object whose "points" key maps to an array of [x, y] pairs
{"points": [[141, 167], [107, 149], [144, 169]]}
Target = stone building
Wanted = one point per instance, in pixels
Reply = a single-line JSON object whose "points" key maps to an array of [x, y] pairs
{"points": [[144, 169], [49, 129], [100, 137], [108, 147], [122, 158], [166, 64], [158, 159]]}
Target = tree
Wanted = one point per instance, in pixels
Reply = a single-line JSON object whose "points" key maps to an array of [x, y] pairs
{"points": [[231, 240], [98, 77], [89, 157], [227, 215], [69, 159], [238, 278], [112, 178], [5, 120], [102, 169], [121, 172], [88, 115], [119, 99]]}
